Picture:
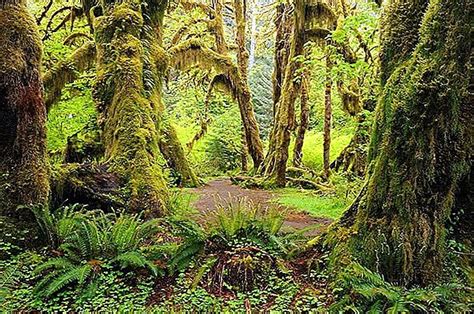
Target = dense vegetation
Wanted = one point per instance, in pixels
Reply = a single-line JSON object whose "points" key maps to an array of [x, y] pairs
{"points": [[341, 131]]}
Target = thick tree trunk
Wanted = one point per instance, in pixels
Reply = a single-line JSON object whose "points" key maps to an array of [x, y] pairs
{"points": [[327, 120], [23, 162], [424, 147], [130, 66], [304, 122], [277, 156], [252, 133]]}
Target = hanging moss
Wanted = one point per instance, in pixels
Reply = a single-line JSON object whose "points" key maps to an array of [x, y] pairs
{"points": [[398, 224], [23, 161]]}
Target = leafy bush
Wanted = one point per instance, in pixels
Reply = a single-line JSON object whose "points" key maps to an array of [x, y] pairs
{"points": [[90, 243], [236, 251]]}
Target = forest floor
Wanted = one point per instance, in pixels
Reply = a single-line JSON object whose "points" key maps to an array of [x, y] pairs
{"points": [[223, 192]]}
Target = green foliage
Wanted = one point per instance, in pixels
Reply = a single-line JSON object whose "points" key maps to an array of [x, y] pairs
{"points": [[88, 244], [364, 291]]}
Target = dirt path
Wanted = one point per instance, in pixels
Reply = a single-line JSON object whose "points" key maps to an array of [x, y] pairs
{"points": [[222, 191]]}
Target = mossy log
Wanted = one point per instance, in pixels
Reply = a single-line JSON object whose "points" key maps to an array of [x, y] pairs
{"points": [[423, 147], [24, 171]]}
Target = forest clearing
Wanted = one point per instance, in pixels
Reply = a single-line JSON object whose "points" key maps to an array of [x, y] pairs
{"points": [[236, 156]]}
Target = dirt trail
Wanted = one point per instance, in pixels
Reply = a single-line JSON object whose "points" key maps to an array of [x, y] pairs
{"points": [[222, 191]]}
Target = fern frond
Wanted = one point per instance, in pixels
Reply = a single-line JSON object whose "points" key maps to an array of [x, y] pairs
{"points": [[136, 260], [66, 278]]}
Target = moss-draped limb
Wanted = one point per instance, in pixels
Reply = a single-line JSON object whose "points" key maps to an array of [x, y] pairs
{"points": [[24, 171], [67, 71], [130, 66], [398, 225], [174, 155], [193, 53]]}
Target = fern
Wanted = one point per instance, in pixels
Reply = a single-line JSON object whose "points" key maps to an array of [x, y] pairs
{"points": [[92, 241], [137, 260], [79, 274]]}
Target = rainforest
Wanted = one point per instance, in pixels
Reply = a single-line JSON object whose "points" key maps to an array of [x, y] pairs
{"points": [[236, 156]]}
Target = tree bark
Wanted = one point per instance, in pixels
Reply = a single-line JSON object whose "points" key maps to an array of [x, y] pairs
{"points": [[130, 67], [424, 147], [24, 171], [283, 25]]}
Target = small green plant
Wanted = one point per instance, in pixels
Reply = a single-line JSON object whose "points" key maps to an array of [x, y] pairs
{"points": [[364, 291], [90, 243]]}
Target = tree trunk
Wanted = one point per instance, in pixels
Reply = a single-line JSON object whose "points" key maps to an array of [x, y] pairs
{"points": [[252, 133], [424, 147], [327, 120], [277, 156], [243, 158], [24, 177], [130, 67], [283, 25], [304, 122], [353, 159], [173, 152]]}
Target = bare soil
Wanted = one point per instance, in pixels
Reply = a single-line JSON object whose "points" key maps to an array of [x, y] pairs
{"points": [[222, 192]]}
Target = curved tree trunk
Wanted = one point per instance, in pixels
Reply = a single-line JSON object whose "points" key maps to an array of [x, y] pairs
{"points": [[130, 67], [422, 146], [23, 162]]}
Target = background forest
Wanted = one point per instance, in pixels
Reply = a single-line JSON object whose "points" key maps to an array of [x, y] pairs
{"points": [[236, 156]]}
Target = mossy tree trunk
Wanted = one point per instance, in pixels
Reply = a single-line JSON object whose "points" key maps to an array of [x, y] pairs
{"points": [[327, 119], [283, 24], [173, 152], [244, 99], [421, 158], [304, 123], [277, 156], [130, 67], [23, 162]]}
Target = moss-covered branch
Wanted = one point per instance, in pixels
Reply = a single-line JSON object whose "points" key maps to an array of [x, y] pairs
{"points": [[68, 71]]}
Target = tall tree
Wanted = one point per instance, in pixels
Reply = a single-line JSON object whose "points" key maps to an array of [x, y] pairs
{"points": [[23, 163], [422, 145]]}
